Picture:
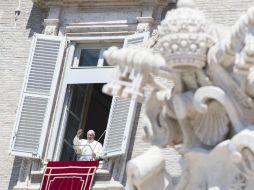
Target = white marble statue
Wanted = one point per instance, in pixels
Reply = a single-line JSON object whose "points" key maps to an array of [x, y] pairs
{"points": [[209, 111]]}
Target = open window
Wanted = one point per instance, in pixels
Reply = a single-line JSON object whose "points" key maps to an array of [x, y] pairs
{"points": [[88, 108], [97, 111], [44, 114]]}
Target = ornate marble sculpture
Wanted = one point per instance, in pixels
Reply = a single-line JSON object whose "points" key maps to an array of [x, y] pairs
{"points": [[209, 111]]}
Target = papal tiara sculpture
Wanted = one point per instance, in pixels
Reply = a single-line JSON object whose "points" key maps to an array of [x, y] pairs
{"points": [[184, 38], [208, 111]]}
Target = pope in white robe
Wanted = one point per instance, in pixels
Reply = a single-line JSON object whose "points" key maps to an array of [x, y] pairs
{"points": [[87, 149]]}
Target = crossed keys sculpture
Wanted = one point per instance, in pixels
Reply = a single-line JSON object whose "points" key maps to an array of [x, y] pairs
{"points": [[209, 110]]}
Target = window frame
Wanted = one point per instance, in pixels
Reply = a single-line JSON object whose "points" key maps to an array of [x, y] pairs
{"points": [[88, 74], [75, 74], [69, 71], [67, 110], [100, 62]]}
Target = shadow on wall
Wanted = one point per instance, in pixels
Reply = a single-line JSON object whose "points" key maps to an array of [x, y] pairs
{"points": [[15, 172], [35, 20]]}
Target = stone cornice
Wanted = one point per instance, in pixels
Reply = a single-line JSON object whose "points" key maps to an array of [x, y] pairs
{"points": [[100, 3]]}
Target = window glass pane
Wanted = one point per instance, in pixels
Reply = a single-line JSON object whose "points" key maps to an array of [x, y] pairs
{"points": [[89, 57], [77, 100], [68, 152], [71, 130]]}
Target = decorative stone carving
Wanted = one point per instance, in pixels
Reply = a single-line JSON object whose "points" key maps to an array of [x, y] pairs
{"points": [[51, 26], [143, 27], [52, 23], [145, 24], [139, 168], [208, 111]]}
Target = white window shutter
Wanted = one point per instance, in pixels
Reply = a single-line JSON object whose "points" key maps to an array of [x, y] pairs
{"points": [[36, 101], [122, 114]]}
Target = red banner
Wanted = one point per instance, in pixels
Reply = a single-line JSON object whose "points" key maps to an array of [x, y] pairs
{"points": [[69, 175]]}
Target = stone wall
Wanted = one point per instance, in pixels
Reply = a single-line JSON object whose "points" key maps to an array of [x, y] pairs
{"points": [[14, 49], [224, 12]]}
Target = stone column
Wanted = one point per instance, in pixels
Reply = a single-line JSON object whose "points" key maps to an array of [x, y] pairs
{"points": [[52, 22]]}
